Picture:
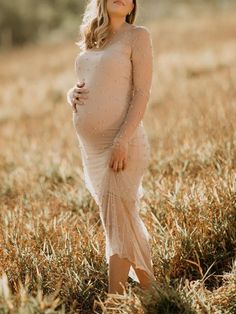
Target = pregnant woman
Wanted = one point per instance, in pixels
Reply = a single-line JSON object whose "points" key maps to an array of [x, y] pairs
{"points": [[114, 70]]}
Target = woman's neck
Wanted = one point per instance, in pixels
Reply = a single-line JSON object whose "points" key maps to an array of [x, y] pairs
{"points": [[116, 23]]}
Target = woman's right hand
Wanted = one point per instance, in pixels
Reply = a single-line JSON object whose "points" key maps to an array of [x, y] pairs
{"points": [[79, 95]]}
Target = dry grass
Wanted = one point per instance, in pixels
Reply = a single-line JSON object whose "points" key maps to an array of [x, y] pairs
{"points": [[51, 238]]}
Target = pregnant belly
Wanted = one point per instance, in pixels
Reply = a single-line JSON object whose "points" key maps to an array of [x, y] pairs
{"points": [[100, 114]]}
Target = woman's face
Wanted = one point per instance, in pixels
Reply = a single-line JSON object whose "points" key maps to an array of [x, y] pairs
{"points": [[119, 7]]}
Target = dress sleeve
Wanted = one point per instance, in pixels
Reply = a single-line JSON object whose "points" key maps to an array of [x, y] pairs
{"points": [[142, 71]]}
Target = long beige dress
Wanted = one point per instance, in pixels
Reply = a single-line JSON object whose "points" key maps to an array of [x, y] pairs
{"points": [[118, 77]]}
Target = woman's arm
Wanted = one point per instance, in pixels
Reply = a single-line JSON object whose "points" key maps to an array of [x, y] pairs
{"points": [[142, 64]]}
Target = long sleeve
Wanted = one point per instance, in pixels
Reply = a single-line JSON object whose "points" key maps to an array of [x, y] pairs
{"points": [[142, 64]]}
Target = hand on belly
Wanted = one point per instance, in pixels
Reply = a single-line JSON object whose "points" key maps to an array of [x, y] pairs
{"points": [[100, 112], [80, 96]]}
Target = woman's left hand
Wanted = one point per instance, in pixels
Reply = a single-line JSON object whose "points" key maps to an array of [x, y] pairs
{"points": [[119, 156]]}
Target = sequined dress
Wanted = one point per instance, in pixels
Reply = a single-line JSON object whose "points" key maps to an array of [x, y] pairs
{"points": [[113, 75]]}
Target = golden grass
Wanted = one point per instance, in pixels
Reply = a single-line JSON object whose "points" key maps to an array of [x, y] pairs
{"points": [[51, 240]]}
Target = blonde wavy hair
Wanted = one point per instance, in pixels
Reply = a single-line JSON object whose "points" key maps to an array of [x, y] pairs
{"points": [[95, 25]]}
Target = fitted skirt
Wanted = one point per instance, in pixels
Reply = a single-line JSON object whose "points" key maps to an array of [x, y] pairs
{"points": [[118, 194]]}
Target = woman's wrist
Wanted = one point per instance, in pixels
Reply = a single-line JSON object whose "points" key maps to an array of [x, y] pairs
{"points": [[118, 140]]}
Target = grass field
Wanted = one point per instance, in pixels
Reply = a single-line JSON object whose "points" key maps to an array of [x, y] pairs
{"points": [[51, 239]]}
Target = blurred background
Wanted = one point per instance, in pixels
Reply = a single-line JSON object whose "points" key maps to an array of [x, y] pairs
{"points": [[32, 21]]}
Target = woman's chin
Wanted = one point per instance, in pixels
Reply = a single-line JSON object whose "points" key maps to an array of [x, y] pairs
{"points": [[117, 11]]}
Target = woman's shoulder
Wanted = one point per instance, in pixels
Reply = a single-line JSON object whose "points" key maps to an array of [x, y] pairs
{"points": [[140, 34], [139, 29]]}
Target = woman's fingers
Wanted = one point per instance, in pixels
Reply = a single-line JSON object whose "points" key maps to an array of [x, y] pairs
{"points": [[117, 165], [124, 164], [111, 163], [80, 97], [120, 165], [81, 90], [77, 94], [78, 101], [74, 107], [80, 84]]}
